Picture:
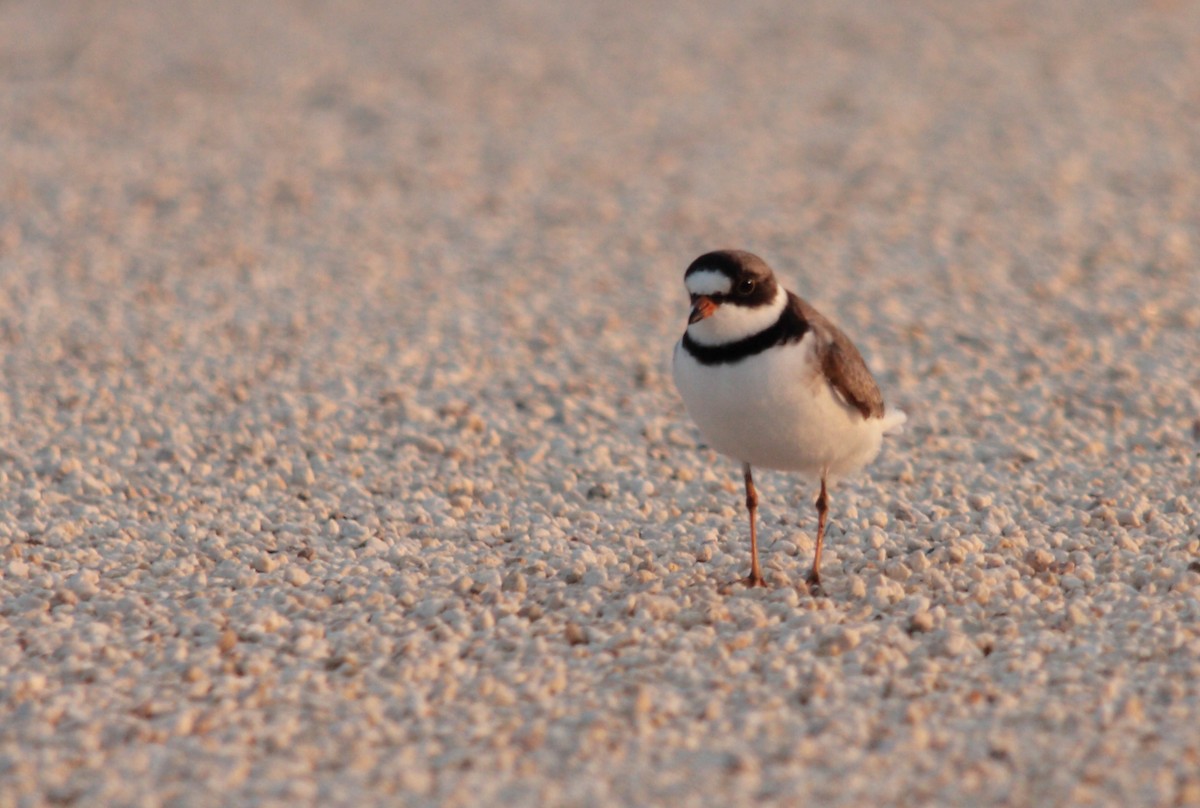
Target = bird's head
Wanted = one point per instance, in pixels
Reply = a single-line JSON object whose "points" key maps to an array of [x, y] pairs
{"points": [[734, 295]]}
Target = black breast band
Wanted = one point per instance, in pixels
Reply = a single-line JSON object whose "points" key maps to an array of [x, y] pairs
{"points": [[790, 327]]}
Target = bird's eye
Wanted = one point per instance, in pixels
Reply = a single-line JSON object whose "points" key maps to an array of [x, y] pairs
{"points": [[745, 287]]}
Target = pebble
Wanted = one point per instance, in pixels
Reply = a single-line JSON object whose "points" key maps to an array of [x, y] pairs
{"points": [[514, 582], [576, 634]]}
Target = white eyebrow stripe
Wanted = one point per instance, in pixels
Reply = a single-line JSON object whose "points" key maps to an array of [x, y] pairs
{"points": [[708, 282]]}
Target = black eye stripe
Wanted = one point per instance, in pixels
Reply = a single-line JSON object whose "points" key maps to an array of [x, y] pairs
{"points": [[739, 267]]}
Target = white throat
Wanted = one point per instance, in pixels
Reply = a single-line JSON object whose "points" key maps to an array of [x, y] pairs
{"points": [[730, 323]]}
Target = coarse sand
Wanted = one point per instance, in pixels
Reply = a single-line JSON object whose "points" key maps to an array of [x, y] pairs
{"points": [[340, 462]]}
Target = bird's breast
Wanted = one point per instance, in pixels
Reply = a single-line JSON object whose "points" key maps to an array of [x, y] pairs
{"points": [[775, 410]]}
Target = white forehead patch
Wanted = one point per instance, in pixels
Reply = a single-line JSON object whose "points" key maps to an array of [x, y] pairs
{"points": [[708, 282]]}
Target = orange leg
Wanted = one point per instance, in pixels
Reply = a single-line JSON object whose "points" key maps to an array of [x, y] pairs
{"points": [[755, 577], [814, 575]]}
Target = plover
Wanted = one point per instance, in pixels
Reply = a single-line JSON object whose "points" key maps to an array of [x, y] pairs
{"points": [[773, 383]]}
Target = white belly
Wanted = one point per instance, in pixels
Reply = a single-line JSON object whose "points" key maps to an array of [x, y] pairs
{"points": [[775, 410]]}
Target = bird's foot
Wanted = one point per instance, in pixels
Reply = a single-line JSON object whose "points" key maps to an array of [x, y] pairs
{"points": [[814, 583], [750, 581]]}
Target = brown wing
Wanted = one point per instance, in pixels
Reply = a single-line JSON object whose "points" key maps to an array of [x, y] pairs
{"points": [[843, 365]]}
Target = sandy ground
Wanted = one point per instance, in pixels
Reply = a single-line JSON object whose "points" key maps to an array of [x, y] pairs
{"points": [[340, 462]]}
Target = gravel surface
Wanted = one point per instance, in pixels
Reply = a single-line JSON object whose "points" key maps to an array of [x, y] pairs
{"points": [[340, 462]]}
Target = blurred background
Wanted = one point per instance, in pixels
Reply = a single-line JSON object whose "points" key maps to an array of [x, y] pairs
{"points": [[342, 191]]}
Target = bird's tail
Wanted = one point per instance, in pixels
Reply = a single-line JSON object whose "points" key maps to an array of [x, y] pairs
{"points": [[893, 421]]}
